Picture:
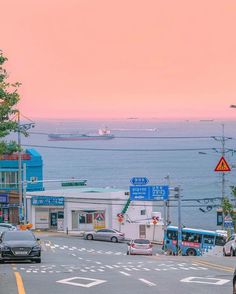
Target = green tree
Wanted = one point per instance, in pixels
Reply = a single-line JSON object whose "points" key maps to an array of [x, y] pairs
{"points": [[9, 97], [227, 206]]}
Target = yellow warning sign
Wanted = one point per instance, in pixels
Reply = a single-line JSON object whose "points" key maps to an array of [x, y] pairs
{"points": [[222, 166]]}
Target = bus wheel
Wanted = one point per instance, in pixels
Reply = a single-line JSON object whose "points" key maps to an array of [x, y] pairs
{"points": [[191, 252]]}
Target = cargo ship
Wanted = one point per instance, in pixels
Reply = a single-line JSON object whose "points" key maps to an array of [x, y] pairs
{"points": [[103, 134]]}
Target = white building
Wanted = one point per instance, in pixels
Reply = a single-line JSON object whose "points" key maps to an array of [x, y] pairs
{"points": [[83, 209]]}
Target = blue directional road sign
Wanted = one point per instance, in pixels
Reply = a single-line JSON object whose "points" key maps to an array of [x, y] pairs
{"points": [[228, 224], [139, 181], [149, 193]]}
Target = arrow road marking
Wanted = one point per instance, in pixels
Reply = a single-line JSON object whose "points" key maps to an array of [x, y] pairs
{"points": [[93, 282]]}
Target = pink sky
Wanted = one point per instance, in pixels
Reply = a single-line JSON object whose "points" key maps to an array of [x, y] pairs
{"points": [[115, 59]]}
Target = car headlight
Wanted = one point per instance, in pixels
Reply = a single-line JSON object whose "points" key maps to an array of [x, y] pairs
{"points": [[36, 248]]}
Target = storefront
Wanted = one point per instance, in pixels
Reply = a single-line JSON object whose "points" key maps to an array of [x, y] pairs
{"points": [[47, 212], [85, 220], [4, 208]]}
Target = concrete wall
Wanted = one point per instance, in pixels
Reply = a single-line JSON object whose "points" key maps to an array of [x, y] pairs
{"points": [[132, 231]]}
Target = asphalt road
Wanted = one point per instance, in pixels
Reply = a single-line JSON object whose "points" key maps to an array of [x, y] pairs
{"points": [[73, 265]]}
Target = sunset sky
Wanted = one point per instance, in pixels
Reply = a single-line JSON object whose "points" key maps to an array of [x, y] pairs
{"points": [[161, 59]]}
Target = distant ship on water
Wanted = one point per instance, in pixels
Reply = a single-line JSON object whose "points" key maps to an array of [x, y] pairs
{"points": [[103, 134]]}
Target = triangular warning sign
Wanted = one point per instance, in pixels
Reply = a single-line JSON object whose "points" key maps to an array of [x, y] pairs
{"points": [[222, 166]]}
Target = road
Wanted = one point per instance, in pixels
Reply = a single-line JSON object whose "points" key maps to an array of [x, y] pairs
{"points": [[73, 265]]}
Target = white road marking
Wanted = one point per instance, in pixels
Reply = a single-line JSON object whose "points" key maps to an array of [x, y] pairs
{"points": [[147, 282], [109, 266], [100, 270], [124, 273], [184, 268], [98, 262], [157, 269], [201, 280], [146, 269], [93, 282], [128, 269]]}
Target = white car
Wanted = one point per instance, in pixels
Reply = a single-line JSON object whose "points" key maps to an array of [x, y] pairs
{"points": [[139, 246], [229, 248]]}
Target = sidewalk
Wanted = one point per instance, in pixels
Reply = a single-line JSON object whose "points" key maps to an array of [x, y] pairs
{"points": [[59, 233]]}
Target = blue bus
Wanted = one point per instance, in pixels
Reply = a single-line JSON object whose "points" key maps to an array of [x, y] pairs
{"points": [[195, 242]]}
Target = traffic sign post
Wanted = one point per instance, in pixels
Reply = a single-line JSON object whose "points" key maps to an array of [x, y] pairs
{"points": [[120, 218], [149, 193], [222, 166], [139, 181]]}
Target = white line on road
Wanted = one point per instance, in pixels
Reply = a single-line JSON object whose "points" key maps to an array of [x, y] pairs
{"points": [[147, 282], [124, 273]]}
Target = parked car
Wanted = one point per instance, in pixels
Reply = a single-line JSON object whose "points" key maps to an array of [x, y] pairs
{"points": [[139, 246], [10, 226], [105, 235], [3, 229], [19, 245], [229, 248], [234, 282]]}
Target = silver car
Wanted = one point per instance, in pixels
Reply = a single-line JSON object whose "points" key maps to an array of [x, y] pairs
{"points": [[105, 235], [8, 226], [229, 248], [139, 246]]}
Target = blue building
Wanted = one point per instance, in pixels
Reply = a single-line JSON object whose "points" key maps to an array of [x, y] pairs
{"points": [[9, 191]]}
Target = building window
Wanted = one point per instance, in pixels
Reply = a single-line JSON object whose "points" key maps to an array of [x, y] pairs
{"points": [[8, 179], [143, 211]]}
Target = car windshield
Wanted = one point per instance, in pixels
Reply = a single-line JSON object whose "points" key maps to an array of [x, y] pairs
{"points": [[18, 236], [141, 241]]}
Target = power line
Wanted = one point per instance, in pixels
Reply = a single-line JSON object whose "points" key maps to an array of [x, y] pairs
{"points": [[146, 137], [118, 149]]}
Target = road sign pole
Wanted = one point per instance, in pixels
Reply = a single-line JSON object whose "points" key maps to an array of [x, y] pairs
{"points": [[154, 229], [164, 219], [177, 195]]}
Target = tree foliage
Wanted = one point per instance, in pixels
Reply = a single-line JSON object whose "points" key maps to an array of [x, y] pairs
{"points": [[227, 206], [9, 97]]}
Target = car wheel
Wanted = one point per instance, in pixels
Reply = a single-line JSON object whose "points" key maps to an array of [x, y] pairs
{"points": [[191, 252], [114, 240], [1, 261], [234, 286], [38, 260], [127, 252], [89, 237], [232, 252], [224, 253]]}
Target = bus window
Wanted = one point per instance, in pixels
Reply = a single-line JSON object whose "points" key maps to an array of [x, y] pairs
{"points": [[220, 241], [208, 239], [191, 237], [172, 235]]}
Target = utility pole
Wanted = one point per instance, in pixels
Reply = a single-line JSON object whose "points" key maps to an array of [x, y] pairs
{"points": [[19, 166], [168, 202], [21, 128], [24, 193], [222, 139], [178, 196]]}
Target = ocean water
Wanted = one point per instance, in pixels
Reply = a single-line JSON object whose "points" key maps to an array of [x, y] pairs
{"points": [[154, 158]]}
